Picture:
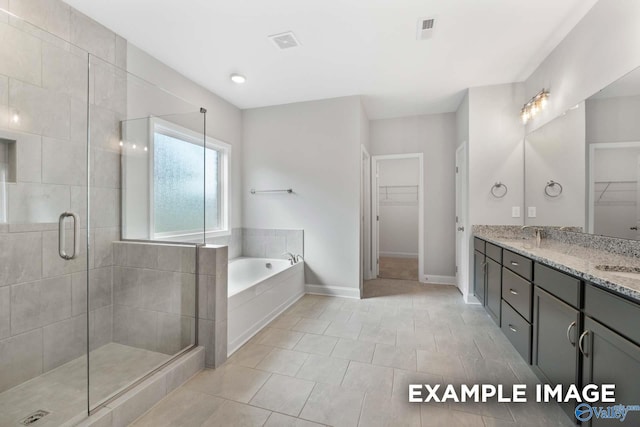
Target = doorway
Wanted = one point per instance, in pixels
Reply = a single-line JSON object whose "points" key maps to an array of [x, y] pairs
{"points": [[462, 232], [398, 210]]}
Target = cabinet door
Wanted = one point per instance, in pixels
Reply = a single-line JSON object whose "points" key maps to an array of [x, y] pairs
{"points": [[555, 334], [608, 358], [494, 289], [479, 276]]}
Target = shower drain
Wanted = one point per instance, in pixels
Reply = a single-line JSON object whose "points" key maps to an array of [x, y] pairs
{"points": [[34, 417]]}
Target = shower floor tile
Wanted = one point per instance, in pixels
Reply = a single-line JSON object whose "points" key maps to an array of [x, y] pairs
{"points": [[63, 391]]}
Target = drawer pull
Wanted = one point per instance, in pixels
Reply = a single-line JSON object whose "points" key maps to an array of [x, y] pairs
{"points": [[513, 292], [580, 342], [571, 326], [512, 328], [514, 263]]}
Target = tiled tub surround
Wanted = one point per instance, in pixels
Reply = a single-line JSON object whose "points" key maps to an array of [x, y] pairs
{"points": [[155, 297], [261, 242], [577, 260], [262, 298]]}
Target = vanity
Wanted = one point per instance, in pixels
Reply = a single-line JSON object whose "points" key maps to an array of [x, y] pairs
{"points": [[571, 321]]}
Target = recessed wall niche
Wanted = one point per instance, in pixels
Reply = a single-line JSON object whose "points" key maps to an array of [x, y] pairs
{"points": [[7, 160]]}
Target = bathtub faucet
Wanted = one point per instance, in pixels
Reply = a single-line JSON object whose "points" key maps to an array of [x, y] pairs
{"points": [[291, 257], [299, 258]]}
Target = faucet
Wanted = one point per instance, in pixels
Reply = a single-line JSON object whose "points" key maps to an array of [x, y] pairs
{"points": [[299, 258], [537, 231], [291, 257]]}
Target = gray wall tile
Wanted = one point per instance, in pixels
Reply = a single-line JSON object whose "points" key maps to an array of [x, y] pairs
{"points": [[100, 327], [135, 327], [41, 111], [105, 207], [64, 162], [22, 258], [28, 158], [40, 303], [136, 402], [105, 171], [26, 202], [64, 341], [20, 55], [93, 37], [52, 15], [21, 359], [64, 71], [52, 264], [103, 246], [5, 313]]}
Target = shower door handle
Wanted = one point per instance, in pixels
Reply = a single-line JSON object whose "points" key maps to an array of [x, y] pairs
{"points": [[62, 236]]}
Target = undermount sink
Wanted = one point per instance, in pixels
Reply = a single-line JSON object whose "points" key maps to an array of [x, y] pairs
{"points": [[621, 270]]}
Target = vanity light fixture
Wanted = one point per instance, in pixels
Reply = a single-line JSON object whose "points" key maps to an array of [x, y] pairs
{"points": [[534, 105], [238, 78]]}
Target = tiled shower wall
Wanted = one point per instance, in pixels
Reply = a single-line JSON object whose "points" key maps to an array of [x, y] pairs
{"points": [[44, 80], [155, 298]]}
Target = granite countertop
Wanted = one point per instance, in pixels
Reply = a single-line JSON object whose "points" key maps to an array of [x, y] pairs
{"points": [[575, 260]]}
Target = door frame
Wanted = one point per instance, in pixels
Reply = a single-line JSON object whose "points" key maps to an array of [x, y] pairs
{"points": [[376, 210], [591, 181], [463, 276], [366, 250]]}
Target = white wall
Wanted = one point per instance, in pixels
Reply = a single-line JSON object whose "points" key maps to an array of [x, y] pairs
{"points": [[598, 51], [224, 120], [495, 153], [399, 207], [435, 136], [556, 151], [314, 148], [613, 119]]}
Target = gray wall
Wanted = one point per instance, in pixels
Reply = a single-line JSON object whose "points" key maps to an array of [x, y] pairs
{"points": [[314, 148], [435, 136]]}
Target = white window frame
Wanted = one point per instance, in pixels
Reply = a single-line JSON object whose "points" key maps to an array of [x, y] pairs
{"points": [[164, 127]]}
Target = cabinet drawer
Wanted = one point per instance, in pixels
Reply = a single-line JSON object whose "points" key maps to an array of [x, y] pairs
{"points": [[517, 292], [517, 263], [517, 330], [478, 245], [613, 311], [494, 252], [561, 285]]}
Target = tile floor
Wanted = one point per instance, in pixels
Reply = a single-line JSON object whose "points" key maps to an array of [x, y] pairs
{"points": [[398, 268], [63, 391], [343, 362]]}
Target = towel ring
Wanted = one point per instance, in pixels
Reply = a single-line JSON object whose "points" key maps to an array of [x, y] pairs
{"points": [[552, 184], [501, 193]]}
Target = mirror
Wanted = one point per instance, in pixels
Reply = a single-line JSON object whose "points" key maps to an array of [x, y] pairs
{"points": [[582, 168]]}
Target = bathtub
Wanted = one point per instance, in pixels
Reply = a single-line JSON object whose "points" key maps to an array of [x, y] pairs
{"points": [[259, 289]]}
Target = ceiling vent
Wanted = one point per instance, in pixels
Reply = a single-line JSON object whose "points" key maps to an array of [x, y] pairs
{"points": [[285, 40], [425, 28]]}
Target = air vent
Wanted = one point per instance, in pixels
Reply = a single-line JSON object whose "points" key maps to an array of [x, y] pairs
{"points": [[285, 40], [425, 28]]}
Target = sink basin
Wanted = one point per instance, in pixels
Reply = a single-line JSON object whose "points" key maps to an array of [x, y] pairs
{"points": [[621, 270]]}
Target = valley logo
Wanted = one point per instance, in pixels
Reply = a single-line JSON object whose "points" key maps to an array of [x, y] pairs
{"points": [[584, 412]]}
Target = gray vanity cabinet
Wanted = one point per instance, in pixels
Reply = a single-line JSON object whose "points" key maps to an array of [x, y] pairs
{"points": [[556, 327], [493, 289], [608, 358], [479, 278]]}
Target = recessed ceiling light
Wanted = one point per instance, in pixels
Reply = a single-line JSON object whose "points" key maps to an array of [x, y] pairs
{"points": [[238, 78]]}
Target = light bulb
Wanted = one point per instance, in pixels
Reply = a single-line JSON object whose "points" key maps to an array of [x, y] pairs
{"points": [[134, 146], [238, 78], [121, 143], [146, 149], [15, 117]]}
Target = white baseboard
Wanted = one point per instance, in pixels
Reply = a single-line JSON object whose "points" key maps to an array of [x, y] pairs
{"points": [[398, 255], [438, 280], [333, 291]]}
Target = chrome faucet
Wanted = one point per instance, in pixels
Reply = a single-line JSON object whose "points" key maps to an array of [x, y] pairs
{"points": [[291, 257], [537, 231], [299, 258]]}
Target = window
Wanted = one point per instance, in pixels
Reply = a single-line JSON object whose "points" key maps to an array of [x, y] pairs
{"points": [[189, 183]]}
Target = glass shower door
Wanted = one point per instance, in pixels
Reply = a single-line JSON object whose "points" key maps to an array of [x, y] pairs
{"points": [[146, 209], [43, 226]]}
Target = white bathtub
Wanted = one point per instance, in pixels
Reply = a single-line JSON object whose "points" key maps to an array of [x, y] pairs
{"points": [[259, 290]]}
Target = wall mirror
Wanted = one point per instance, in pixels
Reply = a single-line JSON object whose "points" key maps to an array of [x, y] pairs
{"points": [[582, 169]]}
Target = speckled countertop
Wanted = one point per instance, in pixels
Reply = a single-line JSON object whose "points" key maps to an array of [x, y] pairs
{"points": [[575, 260]]}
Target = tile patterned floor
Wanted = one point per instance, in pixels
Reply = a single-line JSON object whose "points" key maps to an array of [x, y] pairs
{"points": [[342, 362], [63, 391]]}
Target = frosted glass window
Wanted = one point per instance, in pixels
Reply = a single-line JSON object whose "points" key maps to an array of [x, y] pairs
{"points": [[181, 184]]}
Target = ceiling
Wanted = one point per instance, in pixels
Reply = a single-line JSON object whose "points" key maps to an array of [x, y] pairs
{"points": [[349, 47]]}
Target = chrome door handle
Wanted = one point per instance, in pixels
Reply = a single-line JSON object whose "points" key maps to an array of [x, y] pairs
{"points": [[580, 342], [460, 228], [512, 328], [513, 292], [514, 263], [571, 326], [62, 236]]}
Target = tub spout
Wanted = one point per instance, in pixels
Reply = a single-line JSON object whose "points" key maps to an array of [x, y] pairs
{"points": [[291, 257]]}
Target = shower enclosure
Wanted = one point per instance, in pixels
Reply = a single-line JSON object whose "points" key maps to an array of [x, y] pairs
{"points": [[85, 314]]}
